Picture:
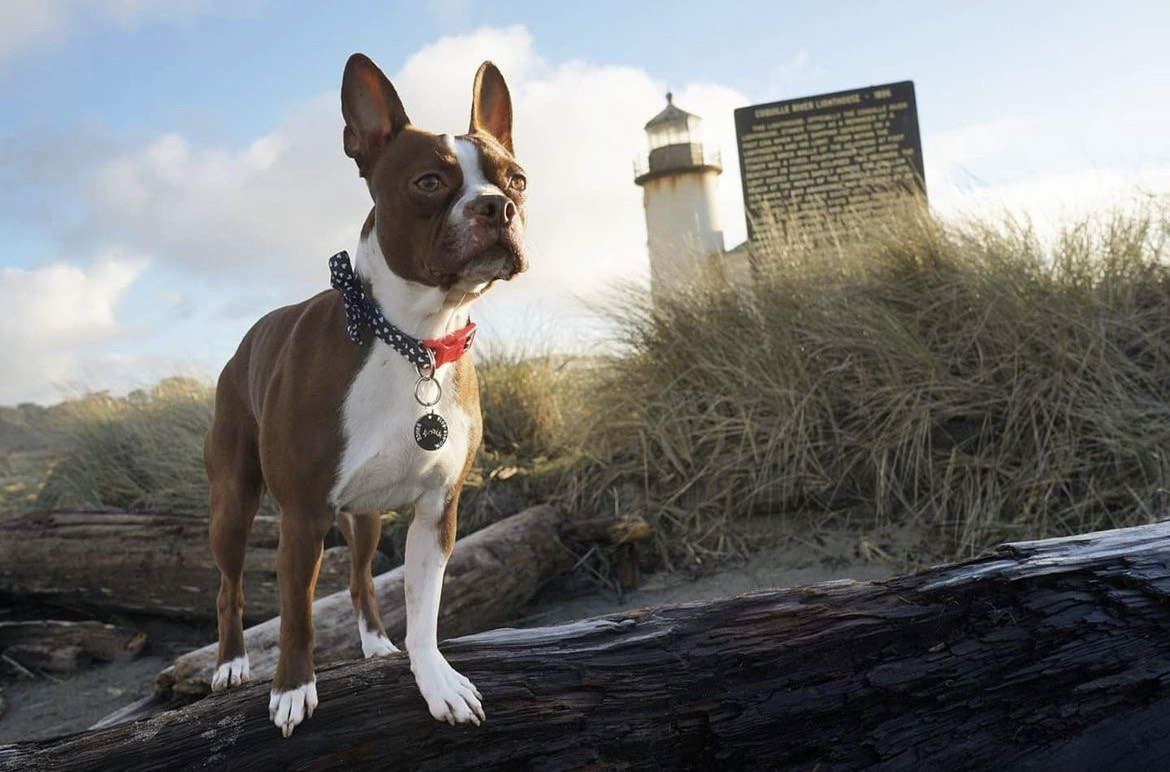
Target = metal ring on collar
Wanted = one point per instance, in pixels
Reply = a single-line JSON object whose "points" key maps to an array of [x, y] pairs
{"points": [[418, 390]]}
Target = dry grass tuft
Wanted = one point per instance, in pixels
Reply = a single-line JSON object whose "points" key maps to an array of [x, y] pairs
{"points": [[962, 378], [529, 402], [142, 452]]}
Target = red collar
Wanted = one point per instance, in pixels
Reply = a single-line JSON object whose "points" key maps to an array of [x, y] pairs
{"points": [[449, 348]]}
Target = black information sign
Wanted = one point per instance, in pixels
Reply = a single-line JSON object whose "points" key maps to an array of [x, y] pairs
{"points": [[830, 155]]}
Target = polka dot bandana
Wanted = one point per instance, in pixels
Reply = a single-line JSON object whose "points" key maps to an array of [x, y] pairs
{"points": [[362, 311]]}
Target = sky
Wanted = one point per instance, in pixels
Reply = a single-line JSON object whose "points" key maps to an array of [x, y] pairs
{"points": [[170, 170]]}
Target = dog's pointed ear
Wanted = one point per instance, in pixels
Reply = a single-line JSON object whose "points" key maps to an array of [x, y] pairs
{"points": [[372, 110], [491, 105]]}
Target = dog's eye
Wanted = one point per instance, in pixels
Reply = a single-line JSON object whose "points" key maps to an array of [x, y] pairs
{"points": [[428, 183], [518, 182]]}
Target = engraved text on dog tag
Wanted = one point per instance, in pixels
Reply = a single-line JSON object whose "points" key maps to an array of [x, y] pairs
{"points": [[430, 431]]}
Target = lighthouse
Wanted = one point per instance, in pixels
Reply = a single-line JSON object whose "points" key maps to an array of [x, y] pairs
{"points": [[679, 181]]}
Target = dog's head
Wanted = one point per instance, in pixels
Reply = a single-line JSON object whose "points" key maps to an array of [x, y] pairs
{"points": [[448, 211]]}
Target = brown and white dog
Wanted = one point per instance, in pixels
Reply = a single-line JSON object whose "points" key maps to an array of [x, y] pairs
{"points": [[328, 426]]}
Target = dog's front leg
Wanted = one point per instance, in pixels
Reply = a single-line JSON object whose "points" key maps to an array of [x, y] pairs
{"points": [[449, 695], [298, 561]]}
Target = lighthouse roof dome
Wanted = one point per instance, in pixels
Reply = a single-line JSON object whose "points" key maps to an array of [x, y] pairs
{"points": [[672, 115]]}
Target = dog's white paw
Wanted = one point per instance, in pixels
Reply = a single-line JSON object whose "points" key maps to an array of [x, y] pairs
{"points": [[374, 643], [377, 645], [450, 696], [289, 708], [231, 673]]}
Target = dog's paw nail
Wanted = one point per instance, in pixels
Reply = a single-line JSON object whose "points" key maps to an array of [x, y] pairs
{"points": [[450, 696], [234, 672], [289, 708]]}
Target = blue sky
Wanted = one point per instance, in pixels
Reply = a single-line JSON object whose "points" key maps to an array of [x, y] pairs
{"points": [[172, 169]]}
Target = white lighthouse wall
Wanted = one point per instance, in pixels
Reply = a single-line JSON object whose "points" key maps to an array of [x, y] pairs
{"points": [[682, 226]]}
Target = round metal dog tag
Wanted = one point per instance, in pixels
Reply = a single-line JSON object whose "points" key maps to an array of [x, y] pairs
{"points": [[430, 431]]}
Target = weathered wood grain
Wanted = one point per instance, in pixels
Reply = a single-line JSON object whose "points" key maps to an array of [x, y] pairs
{"points": [[140, 563], [1047, 655]]}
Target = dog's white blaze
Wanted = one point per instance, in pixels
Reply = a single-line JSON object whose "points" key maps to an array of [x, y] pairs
{"points": [[289, 708], [374, 644], [475, 184]]}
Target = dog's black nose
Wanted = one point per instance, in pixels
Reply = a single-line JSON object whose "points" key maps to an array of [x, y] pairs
{"points": [[493, 209]]}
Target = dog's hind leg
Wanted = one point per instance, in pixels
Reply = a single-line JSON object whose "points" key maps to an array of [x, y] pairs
{"points": [[233, 470], [362, 531]]}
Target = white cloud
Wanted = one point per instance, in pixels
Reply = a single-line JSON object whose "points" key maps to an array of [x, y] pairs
{"points": [[1050, 202], [949, 152], [435, 82], [983, 171], [26, 26], [281, 206], [271, 211], [55, 316]]}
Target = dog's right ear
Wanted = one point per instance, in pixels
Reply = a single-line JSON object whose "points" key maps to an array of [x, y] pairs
{"points": [[372, 110]]}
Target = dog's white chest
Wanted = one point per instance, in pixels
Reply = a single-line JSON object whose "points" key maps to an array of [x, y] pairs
{"points": [[381, 466]]}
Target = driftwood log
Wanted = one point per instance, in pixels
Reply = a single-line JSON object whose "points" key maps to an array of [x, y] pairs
{"points": [[1050, 655], [140, 563], [492, 573], [62, 647]]}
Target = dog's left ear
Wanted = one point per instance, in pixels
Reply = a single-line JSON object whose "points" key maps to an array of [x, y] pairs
{"points": [[491, 105]]}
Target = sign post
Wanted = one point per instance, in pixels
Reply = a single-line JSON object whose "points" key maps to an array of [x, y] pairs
{"points": [[806, 162]]}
